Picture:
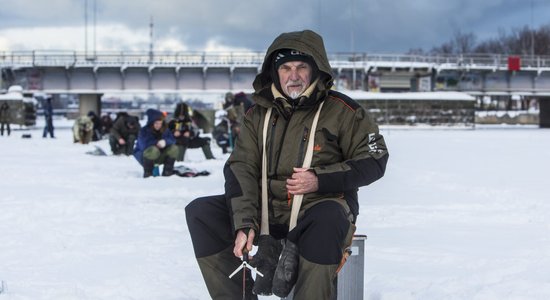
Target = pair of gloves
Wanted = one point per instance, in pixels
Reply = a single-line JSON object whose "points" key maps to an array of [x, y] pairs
{"points": [[279, 274]]}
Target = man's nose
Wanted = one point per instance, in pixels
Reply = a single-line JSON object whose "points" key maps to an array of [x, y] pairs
{"points": [[294, 74]]}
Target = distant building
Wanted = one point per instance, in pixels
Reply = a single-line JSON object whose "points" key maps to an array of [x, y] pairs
{"points": [[409, 108], [22, 109]]}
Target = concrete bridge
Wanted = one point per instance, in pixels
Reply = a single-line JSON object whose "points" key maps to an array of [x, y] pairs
{"points": [[90, 76], [75, 72]]}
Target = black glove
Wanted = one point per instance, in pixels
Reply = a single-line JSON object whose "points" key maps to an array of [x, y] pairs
{"points": [[286, 273], [265, 261]]}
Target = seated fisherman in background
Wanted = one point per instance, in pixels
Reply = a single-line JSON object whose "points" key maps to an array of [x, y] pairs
{"points": [[107, 123], [187, 134], [82, 130], [96, 132], [226, 131], [124, 134], [156, 145]]}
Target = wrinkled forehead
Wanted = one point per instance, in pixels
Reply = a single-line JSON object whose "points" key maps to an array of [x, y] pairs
{"points": [[295, 64]]}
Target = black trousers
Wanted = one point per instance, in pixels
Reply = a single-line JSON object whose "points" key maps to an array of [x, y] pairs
{"points": [[2, 128], [126, 149], [321, 234], [48, 128], [209, 224]]}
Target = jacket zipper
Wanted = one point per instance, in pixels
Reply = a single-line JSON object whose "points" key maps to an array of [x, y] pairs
{"points": [[302, 146], [280, 147], [272, 139], [275, 118]]}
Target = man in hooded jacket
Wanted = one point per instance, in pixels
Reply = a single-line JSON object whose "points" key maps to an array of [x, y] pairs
{"points": [[156, 145], [347, 152], [124, 134]]}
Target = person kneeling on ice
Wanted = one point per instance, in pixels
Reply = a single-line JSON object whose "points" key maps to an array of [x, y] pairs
{"points": [[156, 145], [82, 130], [303, 152], [123, 134]]}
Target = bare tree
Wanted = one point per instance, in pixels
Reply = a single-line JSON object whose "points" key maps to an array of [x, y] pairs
{"points": [[415, 51], [519, 41], [460, 43], [445, 48], [463, 42], [542, 40], [490, 46]]}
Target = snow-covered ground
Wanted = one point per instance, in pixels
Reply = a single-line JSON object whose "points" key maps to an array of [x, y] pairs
{"points": [[460, 214]]}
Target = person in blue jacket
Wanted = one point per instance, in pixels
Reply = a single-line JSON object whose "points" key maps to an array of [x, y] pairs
{"points": [[156, 145]]}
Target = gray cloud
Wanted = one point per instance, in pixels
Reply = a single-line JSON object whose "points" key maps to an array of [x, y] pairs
{"points": [[382, 26]]}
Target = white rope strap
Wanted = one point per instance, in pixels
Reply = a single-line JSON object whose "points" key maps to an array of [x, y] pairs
{"points": [[297, 199], [264, 229]]}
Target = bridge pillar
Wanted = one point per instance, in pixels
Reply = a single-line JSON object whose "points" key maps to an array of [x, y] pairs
{"points": [[90, 102], [544, 111]]}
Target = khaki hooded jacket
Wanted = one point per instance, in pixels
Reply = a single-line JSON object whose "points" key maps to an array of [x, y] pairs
{"points": [[348, 151]]}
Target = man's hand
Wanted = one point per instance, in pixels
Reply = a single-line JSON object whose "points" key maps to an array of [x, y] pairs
{"points": [[161, 144], [302, 182], [242, 241], [121, 141]]}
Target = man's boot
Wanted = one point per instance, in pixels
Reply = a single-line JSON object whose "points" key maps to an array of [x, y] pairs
{"points": [[168, 169], [207, 151], [127, 150], [266, 260], [148, 166], [114, 145], [287, 270]]}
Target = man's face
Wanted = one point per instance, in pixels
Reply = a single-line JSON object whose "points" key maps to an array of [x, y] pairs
{"points": [[157, 124], [294, 77]]}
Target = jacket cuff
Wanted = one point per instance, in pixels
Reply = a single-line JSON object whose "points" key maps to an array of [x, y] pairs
{"points": [[329, 182]]}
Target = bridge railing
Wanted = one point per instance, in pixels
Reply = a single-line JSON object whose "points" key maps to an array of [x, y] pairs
{"points": [[65, 58], [75, 58], [464, 60]]}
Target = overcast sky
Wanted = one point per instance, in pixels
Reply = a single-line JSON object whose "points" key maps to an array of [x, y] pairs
{"points": [[374, 26]]}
